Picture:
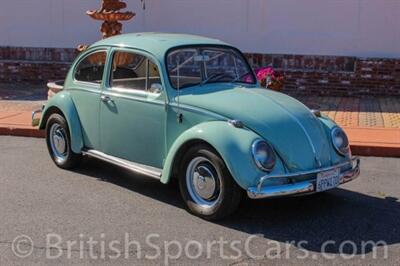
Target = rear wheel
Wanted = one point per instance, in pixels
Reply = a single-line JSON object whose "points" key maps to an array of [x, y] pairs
{"points": [[59, 143], [206, 184]]}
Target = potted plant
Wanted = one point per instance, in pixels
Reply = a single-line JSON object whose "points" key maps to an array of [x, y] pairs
{"points": [[270, 79]]}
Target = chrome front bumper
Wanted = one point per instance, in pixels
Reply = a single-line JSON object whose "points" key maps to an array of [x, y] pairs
{"points": [[302, 187]]}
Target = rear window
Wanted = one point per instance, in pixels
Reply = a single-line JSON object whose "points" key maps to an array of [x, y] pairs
{"points": [[91, 68]]}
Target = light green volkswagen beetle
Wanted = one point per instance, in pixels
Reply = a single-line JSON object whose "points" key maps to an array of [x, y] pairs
{"points": [[188, 107]]}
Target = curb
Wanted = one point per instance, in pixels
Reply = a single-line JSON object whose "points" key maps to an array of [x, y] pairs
{"points": [[377, 151], [22, 132]]}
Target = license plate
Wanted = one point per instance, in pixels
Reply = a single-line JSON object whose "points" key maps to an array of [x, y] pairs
{"points": [[328, 180]]}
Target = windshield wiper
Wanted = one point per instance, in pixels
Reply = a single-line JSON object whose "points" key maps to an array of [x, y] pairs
{"points": [[213, 76]]}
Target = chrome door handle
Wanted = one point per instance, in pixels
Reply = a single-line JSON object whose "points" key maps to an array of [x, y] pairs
{"points": [[106, 98]]}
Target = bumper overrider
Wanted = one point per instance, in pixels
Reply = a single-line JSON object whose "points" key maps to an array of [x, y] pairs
{"points": [[302, 187]]}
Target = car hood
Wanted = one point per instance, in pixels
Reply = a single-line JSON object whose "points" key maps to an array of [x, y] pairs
{"points": [[296, 134]]}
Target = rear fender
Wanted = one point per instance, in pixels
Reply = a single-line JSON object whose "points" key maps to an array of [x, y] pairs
{"points": [[62, 103]]}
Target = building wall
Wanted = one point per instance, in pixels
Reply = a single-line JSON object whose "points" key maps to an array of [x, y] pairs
{"points": [[324, 47], [366, 28]]}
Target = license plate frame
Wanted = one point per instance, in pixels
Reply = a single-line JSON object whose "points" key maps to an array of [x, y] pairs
{"points": [[328, 180]]}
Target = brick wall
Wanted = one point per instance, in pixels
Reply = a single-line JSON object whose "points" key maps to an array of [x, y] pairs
{"points": [[304, 75], [334, 75], [34, 65]]}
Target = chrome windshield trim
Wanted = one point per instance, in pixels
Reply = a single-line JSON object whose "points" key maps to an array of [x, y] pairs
{"points": [[308, 172]]}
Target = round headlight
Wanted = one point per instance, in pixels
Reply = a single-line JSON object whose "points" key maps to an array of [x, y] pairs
{"points": [[264, 155], [340, 141]]}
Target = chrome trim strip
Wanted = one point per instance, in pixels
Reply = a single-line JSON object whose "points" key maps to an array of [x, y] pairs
{"points": [[98, 91], [134, 167], [88, 84], [300, 188], [115, 94], [132, 97], [302, 173], [132, 91]]}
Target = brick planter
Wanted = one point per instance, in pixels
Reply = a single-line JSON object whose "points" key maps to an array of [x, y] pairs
{"points": [[54, 88]]}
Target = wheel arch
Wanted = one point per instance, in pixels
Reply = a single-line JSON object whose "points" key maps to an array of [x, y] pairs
{"points": [[183, 149], [232, 144], [63, 105], [51, 110]]}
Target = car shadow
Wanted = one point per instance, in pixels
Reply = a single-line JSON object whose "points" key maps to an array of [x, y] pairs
{"points": [[337, 216], [147, 186]]}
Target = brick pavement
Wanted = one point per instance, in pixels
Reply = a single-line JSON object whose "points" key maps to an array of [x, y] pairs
{"points": [[369, 112]]}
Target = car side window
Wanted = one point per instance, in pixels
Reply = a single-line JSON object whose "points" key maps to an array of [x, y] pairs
{"points": [[133, 71], [91, 68]]}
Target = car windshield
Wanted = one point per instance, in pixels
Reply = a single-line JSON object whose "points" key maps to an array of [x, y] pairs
{"points": [[200, 65]]}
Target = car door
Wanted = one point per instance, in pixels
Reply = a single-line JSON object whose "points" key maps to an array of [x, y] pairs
{"points": [[85, 90], [132, 111]]}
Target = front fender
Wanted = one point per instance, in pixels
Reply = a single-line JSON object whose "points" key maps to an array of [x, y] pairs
{"points": [[232, 144], [328, 125], [64, 103]]}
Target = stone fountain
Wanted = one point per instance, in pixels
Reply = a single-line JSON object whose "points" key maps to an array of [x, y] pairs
{"points": [[110, 12]]}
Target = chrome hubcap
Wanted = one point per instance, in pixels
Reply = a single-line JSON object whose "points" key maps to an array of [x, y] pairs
{"points": [[58, 141], [203, 182]]}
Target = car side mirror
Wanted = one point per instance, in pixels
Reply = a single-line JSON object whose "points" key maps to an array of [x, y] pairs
{"points": [[156, 88]]}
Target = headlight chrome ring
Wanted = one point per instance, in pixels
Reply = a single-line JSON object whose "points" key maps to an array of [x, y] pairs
{"points": [[263, 155], [340, 141]]}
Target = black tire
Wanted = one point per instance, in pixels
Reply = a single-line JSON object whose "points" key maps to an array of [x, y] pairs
{"points": [[69, 159], [229, 196]]}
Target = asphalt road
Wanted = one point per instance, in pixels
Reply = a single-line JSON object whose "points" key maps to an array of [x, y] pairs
{"points": [[102, 215]]}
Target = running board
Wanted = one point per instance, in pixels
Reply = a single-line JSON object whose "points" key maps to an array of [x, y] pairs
{"points": [[131, 166]]}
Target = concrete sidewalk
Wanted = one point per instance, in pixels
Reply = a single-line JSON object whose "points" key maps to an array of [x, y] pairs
{"points": [[16, 118], [372, 124]]}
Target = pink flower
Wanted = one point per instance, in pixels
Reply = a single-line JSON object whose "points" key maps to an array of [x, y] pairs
{"points": [[269, 78], [265, 72]]}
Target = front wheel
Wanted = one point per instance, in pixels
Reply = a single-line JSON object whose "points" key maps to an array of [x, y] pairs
{"points": [[206, 184], [59, 143]]}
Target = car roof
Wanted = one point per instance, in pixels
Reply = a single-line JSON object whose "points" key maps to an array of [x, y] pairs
{"points": [[156, 43]]}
